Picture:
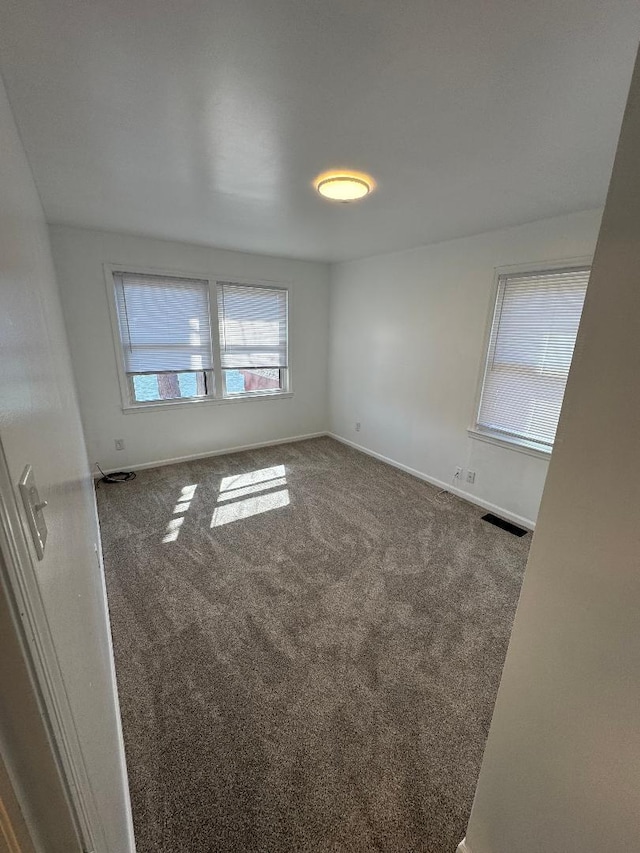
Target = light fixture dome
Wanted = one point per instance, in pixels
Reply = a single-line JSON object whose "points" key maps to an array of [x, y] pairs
{"points": [[344, 186]]}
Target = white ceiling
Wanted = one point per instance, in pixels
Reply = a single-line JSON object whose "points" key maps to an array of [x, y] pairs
{"points": [[206, 120]]}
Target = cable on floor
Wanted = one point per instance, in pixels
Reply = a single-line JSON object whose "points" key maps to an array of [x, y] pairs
{"points": [[115, 476]]}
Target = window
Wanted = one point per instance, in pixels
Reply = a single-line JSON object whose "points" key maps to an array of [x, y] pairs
{"points": [[253, 338], [165, 333], [170, 330], [533, 333]]}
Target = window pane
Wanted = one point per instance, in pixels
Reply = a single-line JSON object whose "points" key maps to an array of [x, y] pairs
{"points": [[234, 380], [149, 387], [187, 384], [256, 379]]}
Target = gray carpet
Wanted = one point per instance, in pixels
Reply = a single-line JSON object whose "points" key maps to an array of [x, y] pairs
{"points": [[315, 672]]}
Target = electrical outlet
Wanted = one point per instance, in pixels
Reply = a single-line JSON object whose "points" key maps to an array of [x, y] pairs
{"points": [[119, 443], [358, 425], [471, 476], [457, 477]]}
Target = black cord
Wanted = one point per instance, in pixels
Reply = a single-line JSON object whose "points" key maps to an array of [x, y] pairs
{"points": [[116, 476]]}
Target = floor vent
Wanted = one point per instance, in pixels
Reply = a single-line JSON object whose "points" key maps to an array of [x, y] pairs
{"points": [[505, 525]]}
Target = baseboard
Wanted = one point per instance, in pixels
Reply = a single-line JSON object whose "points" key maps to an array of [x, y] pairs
{"points": [[223, 452], [440, 484], [463, 847]]}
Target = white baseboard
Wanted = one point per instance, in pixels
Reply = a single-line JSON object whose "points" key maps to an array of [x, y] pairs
{"points": [[223, 452], [440, 484], [463, 847]]}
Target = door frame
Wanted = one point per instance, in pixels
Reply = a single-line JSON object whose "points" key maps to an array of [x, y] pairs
{"points": [[18, 576]]}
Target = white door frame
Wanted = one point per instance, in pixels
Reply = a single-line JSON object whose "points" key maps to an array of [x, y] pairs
{"points": [[19, 578]]}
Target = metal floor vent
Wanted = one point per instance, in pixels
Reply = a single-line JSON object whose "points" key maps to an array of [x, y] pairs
{"points": [[505, 525]]}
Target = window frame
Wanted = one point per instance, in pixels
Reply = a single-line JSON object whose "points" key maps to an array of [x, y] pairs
{"points": [[475, 431], [215, 378]]}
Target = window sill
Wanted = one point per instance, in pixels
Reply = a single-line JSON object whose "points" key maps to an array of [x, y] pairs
{"points": [[519, 445], [210, 401]]}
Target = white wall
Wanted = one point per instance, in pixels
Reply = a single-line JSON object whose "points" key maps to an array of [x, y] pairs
{"points": [[562, 763], [79, 256], [40, 424], [407, 344]]}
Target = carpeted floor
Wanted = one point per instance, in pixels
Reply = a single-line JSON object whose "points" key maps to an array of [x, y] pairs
{"points": [[317, 670]]}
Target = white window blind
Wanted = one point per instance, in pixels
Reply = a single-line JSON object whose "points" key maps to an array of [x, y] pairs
{"points": [[253, 326], [164, 323], [533, 334]]}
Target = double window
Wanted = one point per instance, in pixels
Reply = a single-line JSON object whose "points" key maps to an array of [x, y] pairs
{"points": [[533, 334], [190, 339]]}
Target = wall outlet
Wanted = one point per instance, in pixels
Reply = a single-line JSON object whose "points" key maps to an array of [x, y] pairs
{"points": [[358, 425], [471, 476], [457, 477], [119, 443]]}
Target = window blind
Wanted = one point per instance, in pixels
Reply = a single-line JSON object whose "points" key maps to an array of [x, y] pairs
{"points": [[164, 323], [533, 334], [253, 326]]}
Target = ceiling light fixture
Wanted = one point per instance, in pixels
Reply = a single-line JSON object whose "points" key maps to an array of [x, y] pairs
{"points": [[344, 186]]}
